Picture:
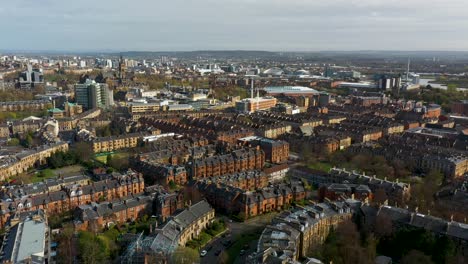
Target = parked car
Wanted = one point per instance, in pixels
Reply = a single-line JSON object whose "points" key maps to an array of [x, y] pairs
{"points": [[218, 252], [203, 253]]}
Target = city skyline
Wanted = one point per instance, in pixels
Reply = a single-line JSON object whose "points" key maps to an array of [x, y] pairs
{"points": [[234, 25]]}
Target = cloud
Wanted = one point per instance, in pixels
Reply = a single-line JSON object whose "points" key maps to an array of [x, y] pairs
{"points": [[234, 24]]}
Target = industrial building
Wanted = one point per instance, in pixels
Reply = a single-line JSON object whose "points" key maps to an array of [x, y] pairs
{"points": [[250, 105], [27, 239]]}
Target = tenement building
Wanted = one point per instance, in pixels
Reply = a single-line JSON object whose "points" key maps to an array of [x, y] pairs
{"points": [[107, 144], [403, 218], [21, 162], [236, 161], [276, 151], [96, 216], [183, 227], [246, 204], [33, 106], [299, 233], [70, 196], [395, 191]]}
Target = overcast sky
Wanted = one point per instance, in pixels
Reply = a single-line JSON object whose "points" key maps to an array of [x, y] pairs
{"points": [[276, 25]]}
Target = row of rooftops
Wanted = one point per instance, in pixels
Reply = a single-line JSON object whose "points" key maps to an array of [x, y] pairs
{"points": [[227, 192], [29, 102], [300, 118], [94, 211], [138, 135], [239, 154], [8, 160], [20, 191], [263, 141], [177, 150], [235, 177], [281, 239], [10, 204], [412, 150], [434, 224], [372, 120], [354, 177], [166, 238]]}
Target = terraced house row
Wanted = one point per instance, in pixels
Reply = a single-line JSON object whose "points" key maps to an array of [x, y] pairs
{"points": [[395, 191], [246, 204], [296, 234], [107, 144], [238, 160], [14, 164], [181, 228], [71, 196]]}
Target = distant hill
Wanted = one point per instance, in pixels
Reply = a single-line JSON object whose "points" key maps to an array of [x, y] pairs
{"points": [[202, 53]]}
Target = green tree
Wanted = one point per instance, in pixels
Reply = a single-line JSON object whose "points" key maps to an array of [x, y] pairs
{"points": [[172, 185], [13, 142], [27, 141], [83, 151], [92, 250], [184, 255]]}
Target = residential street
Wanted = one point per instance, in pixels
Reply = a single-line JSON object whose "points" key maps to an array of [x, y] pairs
{"points": [[234, 232]]}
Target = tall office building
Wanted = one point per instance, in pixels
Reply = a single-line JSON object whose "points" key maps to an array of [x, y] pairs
{"points": [[30, 78], [92, 95]]}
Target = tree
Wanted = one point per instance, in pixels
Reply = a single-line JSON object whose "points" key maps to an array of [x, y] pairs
{"points": [[184, 255], [415, 256], [383, 226], [344, 246], [83, 151], [433, 179], [92, 249], [27, 141], [65, 245], [119, 162], [172, 185], [13, 142], [380, 196], [109, 159]]}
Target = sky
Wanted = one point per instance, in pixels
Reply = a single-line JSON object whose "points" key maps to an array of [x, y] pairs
{"points": [[272, 25]]}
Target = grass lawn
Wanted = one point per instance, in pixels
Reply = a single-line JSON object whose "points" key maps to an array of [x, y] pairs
{"points": [[49, 173], [37, 177], [103, 159], [321, 166]]}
